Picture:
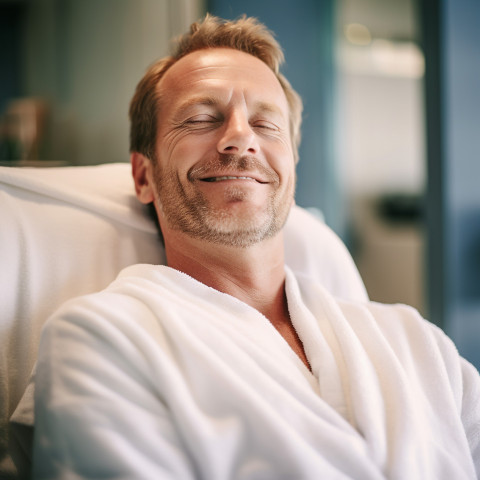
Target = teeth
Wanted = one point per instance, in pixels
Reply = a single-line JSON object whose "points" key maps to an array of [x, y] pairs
{"points": [[219, 179]]}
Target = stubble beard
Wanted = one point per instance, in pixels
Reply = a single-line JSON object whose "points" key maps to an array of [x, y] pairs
{"points": [[192, 213]]}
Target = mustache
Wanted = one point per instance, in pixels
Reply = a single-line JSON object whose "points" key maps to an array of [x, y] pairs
{"points": [[241, 163]]}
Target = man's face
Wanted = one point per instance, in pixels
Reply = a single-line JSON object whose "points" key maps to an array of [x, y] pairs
{"points": [[224, 162]]}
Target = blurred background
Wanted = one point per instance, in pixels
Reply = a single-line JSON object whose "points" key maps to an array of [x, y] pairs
{"points": [[391, 138]]}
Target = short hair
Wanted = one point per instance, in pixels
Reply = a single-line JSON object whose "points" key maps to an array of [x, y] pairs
{"points": [[246, 34]]}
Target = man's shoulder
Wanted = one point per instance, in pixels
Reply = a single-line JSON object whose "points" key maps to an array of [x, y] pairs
{"points": [[121, 301], [134, 278], [312, 289], [395, 323], [141, 297]]}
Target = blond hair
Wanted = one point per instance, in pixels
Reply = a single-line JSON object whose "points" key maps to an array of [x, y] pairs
{"points": [[245, 34]]}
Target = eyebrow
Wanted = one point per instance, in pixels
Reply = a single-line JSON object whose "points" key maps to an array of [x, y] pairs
{"points": [[209, 100], [192, 102], [268, 108]]}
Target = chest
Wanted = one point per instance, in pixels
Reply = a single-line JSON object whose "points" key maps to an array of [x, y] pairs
{"points": [[288, 332]]}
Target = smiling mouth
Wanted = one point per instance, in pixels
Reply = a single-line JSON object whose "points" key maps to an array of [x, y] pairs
{"points": [[228, 177]]}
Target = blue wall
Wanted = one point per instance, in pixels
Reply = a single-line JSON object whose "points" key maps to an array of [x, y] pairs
{"points": [[461, 94], [452, 47], [305, 30]]}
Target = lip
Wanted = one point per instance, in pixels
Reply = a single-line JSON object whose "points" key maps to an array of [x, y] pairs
{"points": [[225, 177]]}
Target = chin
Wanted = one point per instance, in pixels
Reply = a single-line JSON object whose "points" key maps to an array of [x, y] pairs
{"points": [[241, 229]]}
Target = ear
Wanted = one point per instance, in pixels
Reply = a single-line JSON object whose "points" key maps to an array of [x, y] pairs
{"points": [[142, 172]]}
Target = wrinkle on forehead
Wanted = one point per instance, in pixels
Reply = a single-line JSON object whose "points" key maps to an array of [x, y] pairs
{"points": [[217, 64]]}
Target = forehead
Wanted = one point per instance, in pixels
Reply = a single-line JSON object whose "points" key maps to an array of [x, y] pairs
{"points": [[222, 68]]}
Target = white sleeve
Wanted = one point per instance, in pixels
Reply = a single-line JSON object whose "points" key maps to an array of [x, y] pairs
{"points": [[465, 384], [98, 413], [471, 410]]}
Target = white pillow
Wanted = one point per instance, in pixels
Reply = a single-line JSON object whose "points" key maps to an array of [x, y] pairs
{"points": [[68, 231]]}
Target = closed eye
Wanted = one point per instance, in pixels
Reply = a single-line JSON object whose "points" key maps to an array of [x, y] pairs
{"points": [[199, 122], [204, 118], [266, 125]]}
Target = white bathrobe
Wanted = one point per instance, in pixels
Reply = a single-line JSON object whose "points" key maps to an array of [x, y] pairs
{"points": [[162, 377]]}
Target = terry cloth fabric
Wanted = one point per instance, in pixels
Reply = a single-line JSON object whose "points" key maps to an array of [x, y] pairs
{"points": [[69, 231], [162, 377]]}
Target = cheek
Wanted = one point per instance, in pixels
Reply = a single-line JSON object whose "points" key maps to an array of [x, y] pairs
{"points": [[282, 161], [185, 150]]}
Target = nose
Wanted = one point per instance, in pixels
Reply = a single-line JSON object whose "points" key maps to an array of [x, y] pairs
{"points": [[238, 137]]}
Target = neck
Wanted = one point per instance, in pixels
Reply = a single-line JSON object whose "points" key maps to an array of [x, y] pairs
{"points": [[254, 275]]}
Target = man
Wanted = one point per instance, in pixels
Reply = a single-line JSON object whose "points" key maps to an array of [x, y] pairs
{"points": [[224, 364]]}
